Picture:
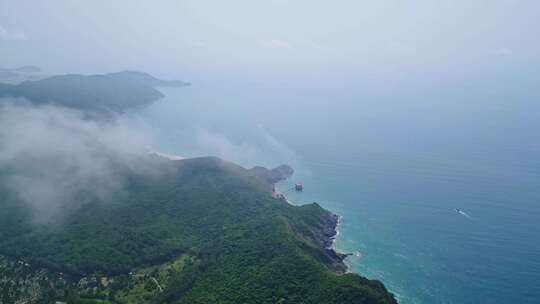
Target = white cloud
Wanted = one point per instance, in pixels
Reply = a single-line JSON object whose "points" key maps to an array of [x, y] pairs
{"points": [[262, 148], [276, 146], [218, 144], [6, 34], [276, 44], [55, 154]]}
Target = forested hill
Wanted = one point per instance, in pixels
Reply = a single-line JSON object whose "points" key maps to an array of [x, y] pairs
{"points": [[104, 93], [197, 230], [146, 79]]}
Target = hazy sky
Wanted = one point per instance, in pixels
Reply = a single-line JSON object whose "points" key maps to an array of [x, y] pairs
{"points": [[275, 39]]}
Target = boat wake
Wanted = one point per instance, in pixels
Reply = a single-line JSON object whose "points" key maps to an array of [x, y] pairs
{"points": [[459, 211]]}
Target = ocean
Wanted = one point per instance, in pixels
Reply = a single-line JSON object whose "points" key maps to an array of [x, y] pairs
{"points": [[396, 164]]}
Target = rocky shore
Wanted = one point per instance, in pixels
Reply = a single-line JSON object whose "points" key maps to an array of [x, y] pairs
{"points": [[331, 232], [329, 229]]}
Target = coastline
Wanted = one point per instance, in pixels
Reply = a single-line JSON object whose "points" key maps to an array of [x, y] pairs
{"points": [[330, 244], [332, 247], [343, 255], [331, 232]]}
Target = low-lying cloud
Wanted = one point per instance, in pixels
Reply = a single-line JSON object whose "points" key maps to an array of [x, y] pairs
{"points": [[261, 148], [50, 155]]}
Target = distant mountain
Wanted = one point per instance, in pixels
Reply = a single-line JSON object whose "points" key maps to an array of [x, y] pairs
{"points": [[147, 79], [201, 231], [105, 93], [18, 75], [23, 69], [28, 69], [157, 228], [7, 74]]}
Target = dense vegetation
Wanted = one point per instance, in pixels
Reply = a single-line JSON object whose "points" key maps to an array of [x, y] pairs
{"points": [[201, 231], [114, 92]]}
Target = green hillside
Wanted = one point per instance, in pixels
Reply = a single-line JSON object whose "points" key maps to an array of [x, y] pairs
{"points": [[201, 231], [96, 94]]}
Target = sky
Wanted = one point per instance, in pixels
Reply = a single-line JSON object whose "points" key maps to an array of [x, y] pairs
{"points": [[308, 41]]}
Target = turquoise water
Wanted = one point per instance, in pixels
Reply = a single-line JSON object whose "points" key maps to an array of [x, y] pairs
{"points": [[395, 165]]}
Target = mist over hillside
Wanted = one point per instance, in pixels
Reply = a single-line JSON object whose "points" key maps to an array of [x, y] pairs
{"points": [[51, 154], [87, 199], [269, 152]]}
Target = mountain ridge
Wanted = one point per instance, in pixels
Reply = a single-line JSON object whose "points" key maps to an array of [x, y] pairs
{"points": [[97, 94], [237, 243]]}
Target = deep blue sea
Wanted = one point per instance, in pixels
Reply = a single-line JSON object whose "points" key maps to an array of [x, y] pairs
{"points": [[395, 163]]}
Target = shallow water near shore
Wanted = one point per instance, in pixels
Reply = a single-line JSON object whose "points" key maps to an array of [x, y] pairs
{"points": [[395, 168]]}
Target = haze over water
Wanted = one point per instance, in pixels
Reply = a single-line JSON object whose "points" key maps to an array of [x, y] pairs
{"points": [[393, 113], [395, 166]]}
